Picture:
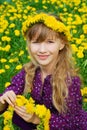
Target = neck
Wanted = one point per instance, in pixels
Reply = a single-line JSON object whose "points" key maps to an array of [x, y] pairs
{"points": [[47, 70], [44, 72]]}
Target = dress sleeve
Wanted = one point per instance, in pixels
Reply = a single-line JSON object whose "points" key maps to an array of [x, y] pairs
{"points": [[17, 83], [76, 117]]}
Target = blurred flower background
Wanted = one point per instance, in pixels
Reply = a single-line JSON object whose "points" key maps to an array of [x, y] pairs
{"points": [[13, 51]]}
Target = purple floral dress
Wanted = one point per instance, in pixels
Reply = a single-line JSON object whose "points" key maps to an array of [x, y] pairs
{"points": [[74, 119]]}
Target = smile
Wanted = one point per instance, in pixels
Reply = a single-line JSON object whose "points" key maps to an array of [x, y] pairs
{"points": [[43, 57]]}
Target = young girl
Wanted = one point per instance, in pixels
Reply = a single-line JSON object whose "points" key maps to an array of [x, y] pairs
{"points": [[50, 77]]}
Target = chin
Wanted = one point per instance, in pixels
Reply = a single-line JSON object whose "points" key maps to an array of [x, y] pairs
{"points": [[44, 63]]}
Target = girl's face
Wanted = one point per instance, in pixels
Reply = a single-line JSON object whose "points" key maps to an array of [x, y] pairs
{"points": [[46, 52]]}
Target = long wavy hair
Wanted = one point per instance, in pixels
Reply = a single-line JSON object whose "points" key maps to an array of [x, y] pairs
{"points": [[63, 69]]}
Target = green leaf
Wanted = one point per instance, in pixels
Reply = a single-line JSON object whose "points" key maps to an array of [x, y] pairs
{"points": [[28, 95]]}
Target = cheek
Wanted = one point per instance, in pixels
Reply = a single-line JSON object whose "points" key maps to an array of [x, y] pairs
{"points": [[54, 49], [33, 48]]}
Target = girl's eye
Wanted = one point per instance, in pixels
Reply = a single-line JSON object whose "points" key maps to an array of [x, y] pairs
{"points": [[50, 41], [34, 42]]}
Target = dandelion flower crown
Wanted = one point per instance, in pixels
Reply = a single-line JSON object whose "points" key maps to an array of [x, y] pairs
{"points": [[49, 20]]}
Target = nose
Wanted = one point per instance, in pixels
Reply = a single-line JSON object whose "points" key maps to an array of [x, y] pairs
{"points": [[42, 48]]}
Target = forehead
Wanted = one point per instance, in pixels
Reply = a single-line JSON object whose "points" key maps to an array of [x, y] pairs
{"points": [[41, 37], [40, 32]]}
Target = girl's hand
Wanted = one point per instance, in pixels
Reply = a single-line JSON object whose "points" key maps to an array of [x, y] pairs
{"points": [[21, 111], [8, 97]]}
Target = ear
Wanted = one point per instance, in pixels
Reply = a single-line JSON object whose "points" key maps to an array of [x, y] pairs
{"points": [[61, 46]]}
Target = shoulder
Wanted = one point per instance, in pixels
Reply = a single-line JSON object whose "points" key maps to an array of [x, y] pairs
{"points": [[75, 87], [19, 76], [76, 81], [21, 73], [73, 81]]}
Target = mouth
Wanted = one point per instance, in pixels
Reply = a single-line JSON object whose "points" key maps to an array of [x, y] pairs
{"points": [[43, 57]]}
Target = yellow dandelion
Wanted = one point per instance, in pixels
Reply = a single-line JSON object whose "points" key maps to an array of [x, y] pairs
{"points": [[7, 48], [21, 53], [30, 108], [7, 84], [74, 48], [7, 66], [3, 60], [18, 67], [21, 100], [10, 108], [40, 110], [78, 41], [15, 59], [12, 25], [2, 71], [11, 60], [6, 32], [80, 54], [85, 100], [6, 127], [5, 38], [84, 91], [7, 115], [46, 120], [31, 100], [17, 32], [29, 57], [85, 28]]}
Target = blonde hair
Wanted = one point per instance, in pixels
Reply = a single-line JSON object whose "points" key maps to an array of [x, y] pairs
{"points": [[63, 69]]}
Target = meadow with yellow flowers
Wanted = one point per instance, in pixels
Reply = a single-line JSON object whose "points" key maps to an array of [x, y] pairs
{"points": [[13, 51]]}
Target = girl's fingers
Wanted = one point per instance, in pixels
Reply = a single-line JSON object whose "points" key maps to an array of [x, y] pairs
{"points": [[8, 97], [12, 96], [21, 114], [22, 109], [24, 116], [2, 101], [9, 101]]}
